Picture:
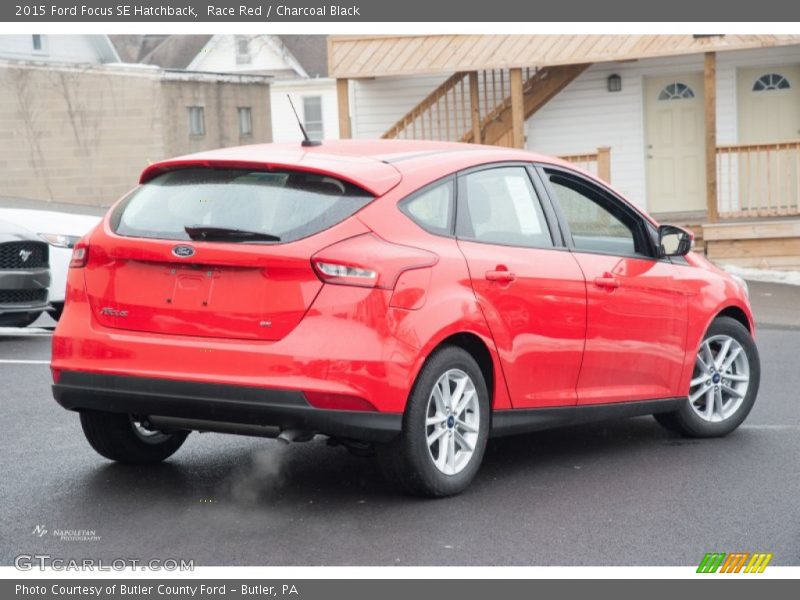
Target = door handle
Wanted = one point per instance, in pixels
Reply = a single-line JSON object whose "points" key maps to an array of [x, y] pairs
{"points": [[607, 281], [501, 275]]}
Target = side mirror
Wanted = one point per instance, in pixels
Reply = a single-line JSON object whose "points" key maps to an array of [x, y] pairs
{"points": [[674, 241]]}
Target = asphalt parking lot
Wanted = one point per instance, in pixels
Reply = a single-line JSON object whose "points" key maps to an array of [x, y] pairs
{"points": [[622, 493]]}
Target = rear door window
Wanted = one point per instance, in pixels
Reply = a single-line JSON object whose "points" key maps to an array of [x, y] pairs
{"points": [[282, 206], [501, 207]]}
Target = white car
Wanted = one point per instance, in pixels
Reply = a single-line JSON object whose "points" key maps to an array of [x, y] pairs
{"points": [[60, 230]]}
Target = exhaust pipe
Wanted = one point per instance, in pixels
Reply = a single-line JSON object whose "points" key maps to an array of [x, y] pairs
{"points": [[287, 436], [178, 423]]}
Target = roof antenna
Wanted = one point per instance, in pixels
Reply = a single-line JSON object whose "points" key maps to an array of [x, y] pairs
{"points": [[307, 141]]}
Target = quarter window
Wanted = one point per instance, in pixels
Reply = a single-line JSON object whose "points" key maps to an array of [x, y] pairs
{"points": [[432, 209], [771, 81], [501, 207], [597, 223]]}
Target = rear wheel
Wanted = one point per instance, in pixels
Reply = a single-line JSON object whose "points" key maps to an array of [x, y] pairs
{"points": [[124, 439], [445, 428], [19, 319], [724, 383]]}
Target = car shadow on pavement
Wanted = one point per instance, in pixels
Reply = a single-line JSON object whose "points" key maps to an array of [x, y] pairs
{"points": [[268, 473]]}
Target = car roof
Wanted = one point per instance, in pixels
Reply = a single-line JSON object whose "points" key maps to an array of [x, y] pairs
{"points": [[375, 165]]}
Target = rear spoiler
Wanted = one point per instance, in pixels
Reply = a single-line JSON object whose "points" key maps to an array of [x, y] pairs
{"points": [[375, 177]]}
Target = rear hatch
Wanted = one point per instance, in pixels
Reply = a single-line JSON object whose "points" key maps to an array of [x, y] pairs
{"points": [[218, 252]]}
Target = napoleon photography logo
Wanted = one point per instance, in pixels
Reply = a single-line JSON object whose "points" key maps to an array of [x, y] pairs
{"points": [[67, 535], [39, 531], [719, 562]]}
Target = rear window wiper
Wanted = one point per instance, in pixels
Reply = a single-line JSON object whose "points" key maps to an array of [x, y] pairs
{"points": [[219, 234]]}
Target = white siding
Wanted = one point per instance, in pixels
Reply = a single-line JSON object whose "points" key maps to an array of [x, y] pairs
{"points": [[60, 48], [585, 115], [219, 56], [376, 104], [284, 124]]}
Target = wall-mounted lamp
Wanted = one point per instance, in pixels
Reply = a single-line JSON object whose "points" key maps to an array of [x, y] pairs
{"points": [[614, 83]]}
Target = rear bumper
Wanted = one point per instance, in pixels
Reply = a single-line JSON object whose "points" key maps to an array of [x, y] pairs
{"points": [[286, 409]]}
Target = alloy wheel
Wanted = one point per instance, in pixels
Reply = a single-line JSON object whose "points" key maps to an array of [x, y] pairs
{"points": [[721, 379], [452, 421]]}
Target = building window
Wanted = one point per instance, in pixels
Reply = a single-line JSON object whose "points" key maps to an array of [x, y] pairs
{"points": [[38, 43], [771, 81], [197, 121], [676, 91], [245, 120], [242, 50], [312, 117]]}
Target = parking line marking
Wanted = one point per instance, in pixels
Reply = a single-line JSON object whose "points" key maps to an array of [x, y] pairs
{"points": [[9, 361], [768, 426], [22, 331]]}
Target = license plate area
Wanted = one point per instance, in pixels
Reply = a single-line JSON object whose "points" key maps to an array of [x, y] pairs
{"points": [[192, 288]]}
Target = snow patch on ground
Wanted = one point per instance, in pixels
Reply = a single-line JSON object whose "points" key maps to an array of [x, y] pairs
{"points": [[772, 276]]}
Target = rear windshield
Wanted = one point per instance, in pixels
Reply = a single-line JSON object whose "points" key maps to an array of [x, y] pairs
{"points": [[284, 205]]}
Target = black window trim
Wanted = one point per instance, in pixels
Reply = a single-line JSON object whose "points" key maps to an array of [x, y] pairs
{"points": [[539, 192], [642, 223]]}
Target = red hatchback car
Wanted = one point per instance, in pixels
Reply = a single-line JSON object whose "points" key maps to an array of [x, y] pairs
{"points": [[409, 297]]}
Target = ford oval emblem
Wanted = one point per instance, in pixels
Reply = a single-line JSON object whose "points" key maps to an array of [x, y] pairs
{"points": [[183, 251]]}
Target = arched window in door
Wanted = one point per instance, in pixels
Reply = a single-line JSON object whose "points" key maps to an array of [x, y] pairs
{"points": [[770, 82], [676, 91]]}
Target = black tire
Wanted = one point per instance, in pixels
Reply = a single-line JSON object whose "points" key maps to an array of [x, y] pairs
{"points": [[407, 462], [114, 436], [686, 421], [18, 319], [668, 421]]}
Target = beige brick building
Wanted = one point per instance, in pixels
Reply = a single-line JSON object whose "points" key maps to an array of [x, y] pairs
{"points": [[82, 133]]}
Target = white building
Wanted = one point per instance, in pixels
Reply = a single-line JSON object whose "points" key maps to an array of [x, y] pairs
{"points": [[87, 49], [297, 64], [648, 109], [300, 69]]}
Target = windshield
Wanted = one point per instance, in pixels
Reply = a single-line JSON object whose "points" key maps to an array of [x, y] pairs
{"points": [[281, 205]]}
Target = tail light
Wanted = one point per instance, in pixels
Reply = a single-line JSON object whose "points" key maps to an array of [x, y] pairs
{"points": [[368, 261], [80, 254]]}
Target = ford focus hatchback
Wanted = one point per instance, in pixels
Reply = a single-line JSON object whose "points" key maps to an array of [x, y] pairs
{"points": [[410, 298]]}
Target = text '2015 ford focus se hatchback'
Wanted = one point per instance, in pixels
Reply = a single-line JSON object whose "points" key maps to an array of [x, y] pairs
{"points": [[412, 297]]}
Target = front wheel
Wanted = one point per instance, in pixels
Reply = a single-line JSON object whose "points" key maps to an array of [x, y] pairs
{"points": [[445, 428], [124, 439], [724, 383]]}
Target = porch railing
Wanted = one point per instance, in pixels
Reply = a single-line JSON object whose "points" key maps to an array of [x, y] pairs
{"points": [[598, 163], [758, 180], [446, 114]]}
